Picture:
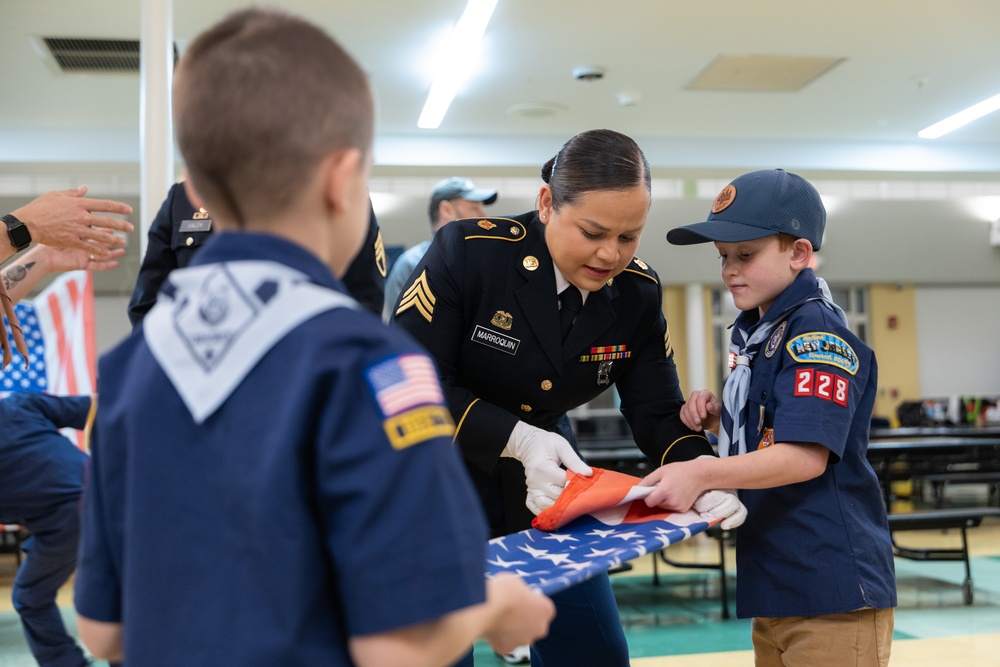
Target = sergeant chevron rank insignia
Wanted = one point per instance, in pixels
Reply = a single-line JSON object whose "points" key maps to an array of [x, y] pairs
{"points": [[380, 255], [419, 296]]}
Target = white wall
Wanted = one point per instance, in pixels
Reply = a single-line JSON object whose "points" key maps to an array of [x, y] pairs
{"points": [[958, 340]]}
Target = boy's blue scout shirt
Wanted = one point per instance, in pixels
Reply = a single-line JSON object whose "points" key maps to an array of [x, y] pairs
{"points": [[820, 546], [286, 521]]}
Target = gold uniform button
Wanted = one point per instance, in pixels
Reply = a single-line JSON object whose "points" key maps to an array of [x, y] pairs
{"points": [[525, 408], [190, 241], [546, 385]]}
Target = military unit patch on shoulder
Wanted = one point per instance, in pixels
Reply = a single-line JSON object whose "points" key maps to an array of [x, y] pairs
{"points": [[419, 296], [819, 347]]}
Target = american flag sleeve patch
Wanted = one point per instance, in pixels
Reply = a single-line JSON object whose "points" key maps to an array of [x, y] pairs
{"points": [[404, 382]]}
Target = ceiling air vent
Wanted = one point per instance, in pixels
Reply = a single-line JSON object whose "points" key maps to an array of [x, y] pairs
{"points": [[80, 55]]}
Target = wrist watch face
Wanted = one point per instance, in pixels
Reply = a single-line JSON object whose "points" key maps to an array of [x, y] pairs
{"points": [[18, 232]]}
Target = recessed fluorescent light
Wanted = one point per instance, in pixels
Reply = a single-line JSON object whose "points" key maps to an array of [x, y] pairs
{"points": [[963, 117], [456, 61]]}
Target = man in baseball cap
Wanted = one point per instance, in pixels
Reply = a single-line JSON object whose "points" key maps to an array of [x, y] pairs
{"points": [[452, 199], [451, 192]]}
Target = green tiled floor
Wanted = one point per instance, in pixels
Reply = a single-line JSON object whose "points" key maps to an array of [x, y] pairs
{"points": [[683, 614]]}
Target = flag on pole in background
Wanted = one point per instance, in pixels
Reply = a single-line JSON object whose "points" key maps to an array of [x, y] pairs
{"points": [[58, 327], [597, 523]]}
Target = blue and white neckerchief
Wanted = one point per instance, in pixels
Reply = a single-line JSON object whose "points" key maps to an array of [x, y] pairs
{"points": [[732, 434], [213, 323]]}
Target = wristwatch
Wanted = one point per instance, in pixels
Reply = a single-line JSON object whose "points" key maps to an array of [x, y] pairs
{"points": [[18, 232]]}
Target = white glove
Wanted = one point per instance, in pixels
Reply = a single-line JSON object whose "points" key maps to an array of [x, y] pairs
{"points": [[721, 505], [541, 453]]}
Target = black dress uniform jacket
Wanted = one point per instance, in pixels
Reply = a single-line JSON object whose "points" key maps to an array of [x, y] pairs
{"points": [[483, 302], [179, 230]]}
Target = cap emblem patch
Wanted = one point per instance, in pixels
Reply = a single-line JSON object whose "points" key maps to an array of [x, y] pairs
{"points": [[724, 199]]}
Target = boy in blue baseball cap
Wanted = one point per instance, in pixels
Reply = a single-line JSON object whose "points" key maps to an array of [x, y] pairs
{"points": [[814, 556]]}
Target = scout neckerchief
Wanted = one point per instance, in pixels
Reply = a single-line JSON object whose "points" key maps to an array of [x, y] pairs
{"points": [[743, 347], [211, 324]]}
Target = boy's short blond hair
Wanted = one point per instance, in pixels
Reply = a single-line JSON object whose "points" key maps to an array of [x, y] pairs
{"points": [[260, 99]]}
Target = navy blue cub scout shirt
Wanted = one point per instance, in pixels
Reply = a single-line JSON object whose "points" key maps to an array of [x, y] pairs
{"points": [[315, 497], [820, 546]]}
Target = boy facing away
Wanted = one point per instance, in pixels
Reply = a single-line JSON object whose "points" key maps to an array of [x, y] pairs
{"points": [[814, 558], [273, 480]]}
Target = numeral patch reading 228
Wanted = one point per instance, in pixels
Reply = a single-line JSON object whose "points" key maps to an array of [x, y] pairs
{"points": [[828, 386]]}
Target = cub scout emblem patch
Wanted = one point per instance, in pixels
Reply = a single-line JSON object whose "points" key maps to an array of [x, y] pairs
{"points": [[775, 340], [419, 296], [486, 224], [819, 347], [502, 320]]}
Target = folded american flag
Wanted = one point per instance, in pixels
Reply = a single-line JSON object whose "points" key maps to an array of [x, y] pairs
{"points": [[597, 523]]}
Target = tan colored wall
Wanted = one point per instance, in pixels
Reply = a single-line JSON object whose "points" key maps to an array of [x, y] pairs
{"points": [[711, 354], [895, 346], [675, 310]]}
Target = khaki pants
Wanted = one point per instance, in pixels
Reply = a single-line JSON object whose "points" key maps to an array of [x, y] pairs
{"points": [[859, 638]]}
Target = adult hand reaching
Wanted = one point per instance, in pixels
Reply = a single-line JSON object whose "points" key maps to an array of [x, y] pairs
{"points": [[69, 219]]}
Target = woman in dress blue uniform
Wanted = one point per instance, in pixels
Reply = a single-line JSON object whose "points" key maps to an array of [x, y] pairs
{"points": [[485, 301]]}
